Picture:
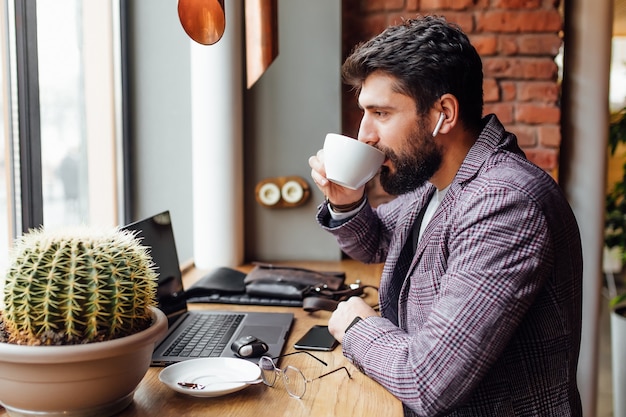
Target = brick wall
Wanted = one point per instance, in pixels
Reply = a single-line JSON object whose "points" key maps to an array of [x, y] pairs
{"points": [[518, 41]]}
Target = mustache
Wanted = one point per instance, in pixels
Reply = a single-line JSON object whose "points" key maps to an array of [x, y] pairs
{"points": [[388, 152]]}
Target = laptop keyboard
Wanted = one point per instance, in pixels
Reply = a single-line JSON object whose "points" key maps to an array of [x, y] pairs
{"points": [[206, 336], [244, 299]]}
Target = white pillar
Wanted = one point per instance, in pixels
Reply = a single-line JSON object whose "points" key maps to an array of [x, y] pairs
{"points": [[217, 145], [588, 34]]}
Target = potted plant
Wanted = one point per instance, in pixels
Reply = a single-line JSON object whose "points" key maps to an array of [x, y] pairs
{"points": [[614, 245], [618, 344], [79, 322], [615, 214]]}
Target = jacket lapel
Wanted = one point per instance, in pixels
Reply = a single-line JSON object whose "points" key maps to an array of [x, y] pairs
{"points": [[401, 253]]}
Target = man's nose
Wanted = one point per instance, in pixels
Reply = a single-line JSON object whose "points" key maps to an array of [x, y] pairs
{"points": [[367, 133]]}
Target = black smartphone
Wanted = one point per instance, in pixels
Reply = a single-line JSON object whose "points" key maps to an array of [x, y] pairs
{"points": [[317, 338]]}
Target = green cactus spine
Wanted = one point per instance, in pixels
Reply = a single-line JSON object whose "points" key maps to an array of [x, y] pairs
{"points": [[78, 286]]}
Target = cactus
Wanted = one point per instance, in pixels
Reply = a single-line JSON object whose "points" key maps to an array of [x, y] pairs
{"points": [[77, 286]]}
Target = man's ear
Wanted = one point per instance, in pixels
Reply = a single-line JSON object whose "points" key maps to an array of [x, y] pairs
{"points": [[448, 106]]}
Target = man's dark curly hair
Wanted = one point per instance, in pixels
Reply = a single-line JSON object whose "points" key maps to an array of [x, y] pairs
{"points": [[429, 57]]}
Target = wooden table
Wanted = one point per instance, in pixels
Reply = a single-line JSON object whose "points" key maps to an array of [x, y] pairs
{"points": [[333, 395]]}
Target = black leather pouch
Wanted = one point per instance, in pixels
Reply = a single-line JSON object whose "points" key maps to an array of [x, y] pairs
{"points": [[278, 281]]}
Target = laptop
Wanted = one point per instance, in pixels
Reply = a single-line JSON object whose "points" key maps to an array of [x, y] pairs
{"points": [[199, 333]]}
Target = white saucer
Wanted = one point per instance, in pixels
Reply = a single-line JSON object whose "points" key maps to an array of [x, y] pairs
{"points": [[209, 372]]}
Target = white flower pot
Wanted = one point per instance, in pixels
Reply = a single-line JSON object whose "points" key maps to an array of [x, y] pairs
{"points": [[618, 369], [94, 379]]}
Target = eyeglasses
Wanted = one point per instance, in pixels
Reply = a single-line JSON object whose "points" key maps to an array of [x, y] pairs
{"points": [[294, 380]]}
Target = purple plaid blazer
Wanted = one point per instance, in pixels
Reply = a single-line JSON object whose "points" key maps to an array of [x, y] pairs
{"points": [[484, 319]]}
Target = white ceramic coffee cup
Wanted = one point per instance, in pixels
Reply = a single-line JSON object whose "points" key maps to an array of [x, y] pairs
{"points": [[350, 163]]}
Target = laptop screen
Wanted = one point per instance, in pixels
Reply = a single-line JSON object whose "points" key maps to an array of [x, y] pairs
{"points": [[157, 234]]}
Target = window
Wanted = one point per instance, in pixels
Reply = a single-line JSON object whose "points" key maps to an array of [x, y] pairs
{"points": [[61, 54], [617, 92], [68, 120]]}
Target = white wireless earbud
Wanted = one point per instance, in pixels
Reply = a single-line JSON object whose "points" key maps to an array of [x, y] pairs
{"points": [[442, 117]]}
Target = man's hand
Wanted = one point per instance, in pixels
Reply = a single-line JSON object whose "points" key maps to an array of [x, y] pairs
{"points": [[345, 313], [335, 193]]}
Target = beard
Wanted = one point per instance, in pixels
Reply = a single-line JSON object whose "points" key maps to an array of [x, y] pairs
{"points": [[414, 165]]}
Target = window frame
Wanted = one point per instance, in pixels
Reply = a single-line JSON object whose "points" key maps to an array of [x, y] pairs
{"points": [[29, 172]]}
